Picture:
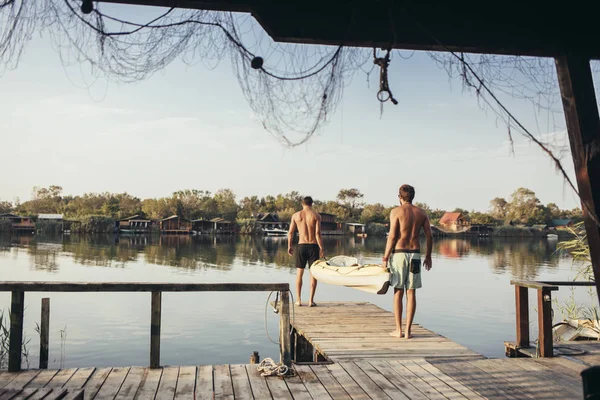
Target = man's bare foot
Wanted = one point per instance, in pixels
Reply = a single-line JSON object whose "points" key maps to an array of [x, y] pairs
{"points": [[298, 303], [408, 336], [396, 333], [312, 304]]}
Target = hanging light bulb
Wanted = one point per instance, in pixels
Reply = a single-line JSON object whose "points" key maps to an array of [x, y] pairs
{"points": [[256, 63], [87, 6]]}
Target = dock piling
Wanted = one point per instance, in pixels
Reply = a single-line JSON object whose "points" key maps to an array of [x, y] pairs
{"points": [[44, 333]]}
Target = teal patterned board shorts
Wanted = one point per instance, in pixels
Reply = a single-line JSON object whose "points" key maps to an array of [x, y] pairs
{"points": [[405, 269]]}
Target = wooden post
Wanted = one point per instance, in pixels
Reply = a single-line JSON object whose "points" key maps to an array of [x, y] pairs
{"points": [[583, 124], [17, 307], [155, 330], [44, 333], [522, 303], [545, 322], [284, 330]]}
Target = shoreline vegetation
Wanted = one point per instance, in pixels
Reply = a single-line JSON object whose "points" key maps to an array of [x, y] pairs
{"points": [[522, 215]]}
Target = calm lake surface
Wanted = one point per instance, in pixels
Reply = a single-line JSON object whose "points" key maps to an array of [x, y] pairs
{"points": [[466, 296]]}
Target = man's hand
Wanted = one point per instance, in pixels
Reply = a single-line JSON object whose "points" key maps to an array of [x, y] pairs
{"points": [[427, 263], [384, 263], [290, 251], [321, 253]]}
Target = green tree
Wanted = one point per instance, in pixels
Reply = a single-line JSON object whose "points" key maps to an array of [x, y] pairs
{"points": [[6, 207], [374, 213], [351, 200], [226, 204], [499, 208], [525, 207]]}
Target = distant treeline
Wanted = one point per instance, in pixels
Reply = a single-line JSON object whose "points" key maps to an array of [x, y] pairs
{"points": [[522, 207]]}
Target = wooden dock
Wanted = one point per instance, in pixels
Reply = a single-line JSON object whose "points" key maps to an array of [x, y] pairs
{"points": [[354, 331]]}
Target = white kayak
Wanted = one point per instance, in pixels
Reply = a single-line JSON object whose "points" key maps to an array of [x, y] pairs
{"points": [[345, 271]]}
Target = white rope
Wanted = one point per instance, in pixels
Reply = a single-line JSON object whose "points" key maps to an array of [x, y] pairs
{"points": [[268, 367]]}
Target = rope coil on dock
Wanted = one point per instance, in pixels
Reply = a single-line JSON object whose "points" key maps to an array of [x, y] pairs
{"points": [[268, 367]]}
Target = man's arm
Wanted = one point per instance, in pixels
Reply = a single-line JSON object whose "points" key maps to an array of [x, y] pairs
{"points": [[319, 238], [291, 235], [427, 230], [392, 238]]}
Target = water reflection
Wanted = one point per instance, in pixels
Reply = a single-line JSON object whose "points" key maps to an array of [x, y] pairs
{"points": [[520, 257]]}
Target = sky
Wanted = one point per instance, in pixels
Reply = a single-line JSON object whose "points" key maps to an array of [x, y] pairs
{"points": [[190, 127]]}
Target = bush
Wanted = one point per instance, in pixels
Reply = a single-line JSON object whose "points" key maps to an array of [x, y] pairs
{"points": [[375, 229], [95, 224], [5, 225], [248, 226], [50, 227]]}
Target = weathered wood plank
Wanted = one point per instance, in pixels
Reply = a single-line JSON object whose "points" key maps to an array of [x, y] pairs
{"points": [[312, 383], [297, 388], [445, 390], [24, 394], [396, 379], [364, 381], [465, 391], [416, 381], [56, 394], [545, 322], [22, 379], [155, 321], [61, 378], [205, 382], [112, 384], [168, 384], [241, 384], [381, 381], [351, 387], [186, 383], [42, 379], [44, 332], [335, 389], [149, 385], [7, 377], [140, 287], [40, 393], [79, 378], [74, 394], [545, 380], [222, 379], [258, 384], [284, 330], [511, 381], [131, 383], [278, 388], [95, 382], [17, 307]]}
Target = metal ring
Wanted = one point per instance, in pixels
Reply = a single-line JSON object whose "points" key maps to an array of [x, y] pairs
{"points": [[383, 95]]}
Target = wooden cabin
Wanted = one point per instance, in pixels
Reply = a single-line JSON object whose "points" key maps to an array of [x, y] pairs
{"points": [[270, 222], [134, 224], [222, 226], [454, 221], [202, 226], [175, 225], [561, 224], [355, 228], [329, 226], [19, 223]]}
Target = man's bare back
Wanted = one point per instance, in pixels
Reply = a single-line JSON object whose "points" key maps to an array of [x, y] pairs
{"points": [[409, 221], [308, 223]]}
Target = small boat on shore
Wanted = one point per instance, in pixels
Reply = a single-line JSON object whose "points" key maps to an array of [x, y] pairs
{"points": [[552, 236], [275, 232], [346, 271]]}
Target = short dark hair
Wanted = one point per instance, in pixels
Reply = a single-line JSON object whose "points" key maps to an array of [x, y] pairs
{"points": [[308, 201], [407, 193]]}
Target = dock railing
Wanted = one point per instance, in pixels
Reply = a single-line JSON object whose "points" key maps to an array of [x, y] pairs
{"points": [[18, 290], [544, 309]]}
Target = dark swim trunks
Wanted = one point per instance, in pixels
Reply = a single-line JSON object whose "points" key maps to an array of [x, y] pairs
{"points": [[306, 253]]}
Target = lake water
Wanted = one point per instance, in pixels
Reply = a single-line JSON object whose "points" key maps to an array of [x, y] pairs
{"points": [[466, 296]]}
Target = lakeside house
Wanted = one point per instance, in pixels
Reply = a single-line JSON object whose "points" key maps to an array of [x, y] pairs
{"points": [[454, 221], [223, 226], [355, 228], [329, 226], [19, 223], [134, 224], [202, 225], [50, 217], [561, 223], [175, 225], [270, 223]]}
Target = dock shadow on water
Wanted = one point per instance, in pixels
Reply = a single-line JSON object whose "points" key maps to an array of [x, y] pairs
{"points": [[466, 297]]}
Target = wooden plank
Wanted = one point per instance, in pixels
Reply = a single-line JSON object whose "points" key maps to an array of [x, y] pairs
{"points": [[416, 381], [56, 394], [155, 320], [186, 383], [42, 393], [545, 341], [149, 385], [168, 383], [44, 332], [465, 391], [222, 380], [297, 388], [445, 390], [74, 394], [533, 285], [545, 380], [241, 384], [364, 381], [9, 394], [260, 389], [79, 378], [61, 378], [351, 387], [284, 330], [205, 382], [24, 394], [42, 379], [22, 379], [131, 384], [8, 286], [522, 313], [583, 125], [392, 391], [7, 377], [95, 382], [513, 382], [404, 385], [278, 388], [312, 383], [17, 305], [112, 384]]}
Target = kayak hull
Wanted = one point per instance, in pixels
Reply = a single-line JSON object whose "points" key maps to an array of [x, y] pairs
{"points": [[342, 271]]}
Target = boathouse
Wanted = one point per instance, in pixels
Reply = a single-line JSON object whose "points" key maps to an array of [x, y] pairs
{"points": [[270, 221], [134, 224], [454, 221], [175, 225], [19, 223], [329, 225], [222, 226], [202, 226]]}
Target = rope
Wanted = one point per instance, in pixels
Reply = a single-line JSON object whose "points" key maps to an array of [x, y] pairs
{"points": [[384, 93], [268, 367], [276, 311]]}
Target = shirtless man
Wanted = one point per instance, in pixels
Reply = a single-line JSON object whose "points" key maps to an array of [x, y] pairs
{"points": [[406, 222], [310, 245]]}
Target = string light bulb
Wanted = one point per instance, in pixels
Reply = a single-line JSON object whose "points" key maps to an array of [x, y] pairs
{"points": [[257, 62], [87, 6]]}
